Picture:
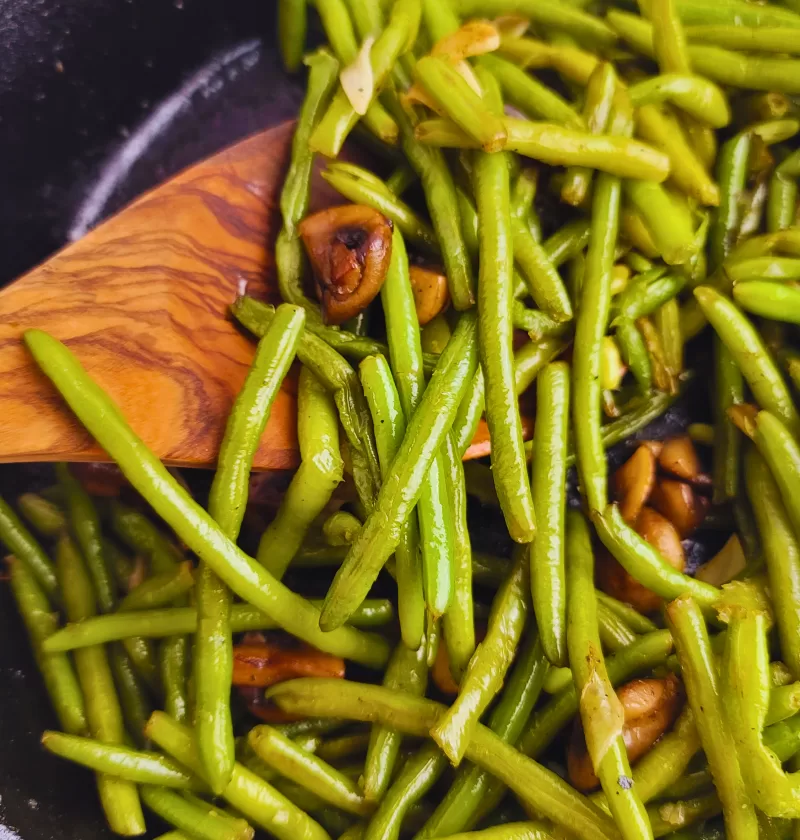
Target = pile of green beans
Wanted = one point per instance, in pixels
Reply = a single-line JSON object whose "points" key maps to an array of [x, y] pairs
{"points": [[609, 201]]}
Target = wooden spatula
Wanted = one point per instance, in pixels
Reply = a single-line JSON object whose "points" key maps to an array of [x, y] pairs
{"points": [[142, 301]]}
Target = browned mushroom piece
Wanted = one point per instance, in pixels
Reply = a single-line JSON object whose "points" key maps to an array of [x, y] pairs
{"points": [[265, 663], [679, 457], [681, 504], [615, 581], [634, 481], [349, 248], [430, 292], [651, 707]]}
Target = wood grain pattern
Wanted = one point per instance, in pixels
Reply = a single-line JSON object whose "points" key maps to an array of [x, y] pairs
{"points": [[142, 301]]}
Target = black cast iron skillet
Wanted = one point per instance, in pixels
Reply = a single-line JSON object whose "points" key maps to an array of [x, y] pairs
{"points": [[98, 102]]}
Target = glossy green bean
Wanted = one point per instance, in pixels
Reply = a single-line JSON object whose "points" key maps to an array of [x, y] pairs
{"points": [[143, 537], [407, 671], [644, 562], [159, 590], [340, 528], [529, 95], [174, 662], [601, 711], [250, 795], [484, 676], [729, 391], [45, 516], [24, 546], [750, 353], [357, 190], [133, 696], [597, 103], [292, 28], [56, 669], [321, 469], [417, 776], [548, 474], [340, 117], [443, 207], [307, 770], [536, 323], [666, 218], [536, 786], [781, 552], [439, 18], [778, 269], [668, 323], [195, 527], [544, 283], [670, 37], [458, 807], [784, 702], [699, 673], [119, 798], [182, 620], [424, 436], [614, 632], [405, 356], [591, 324], [769, 300], [115, 760], [763, 39], [192, 817], [694, 95]]}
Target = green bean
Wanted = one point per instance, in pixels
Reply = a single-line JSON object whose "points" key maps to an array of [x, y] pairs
{"points": [[645, 563], [133, 698], [307, 770], [401, 179], [143, 537], [784, 702], [251, 796], [548, 475], [460, 102], [295, 195], [781, 551], [457, 809], [183, 620], [492, 191], [729, 388], [85, 525], [458, 624], [668, 323], [750, 353], [193, 818], [597, 104], [668, 818], [159, 590], [719, 65], [614, 632], [340, 528], [697, 97], [591, 324], [23, 545], [443, 207], [56, 668], [469, 413], [602, 714], [340, 117], [732, 171], [490, 662], [536, 323], [560, 16], [292, 28], [213, 648], [653, 123], [357, 190], [670, 38], [559, 146], [319, 474], [769, 300], [745, 687], [544, 283], [530, 95], [699, 672], [345, 746], [637, 622], [567, 242], [119, 798], [666, 218], [415, 779], [195, 527], [405, 354], [406, 671], [778, 269], [389, 422], [339, 30], [536, 786], [762, 39], [45, 516], [174, 674], [114, 760], [440, 19], [400, 492]]}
